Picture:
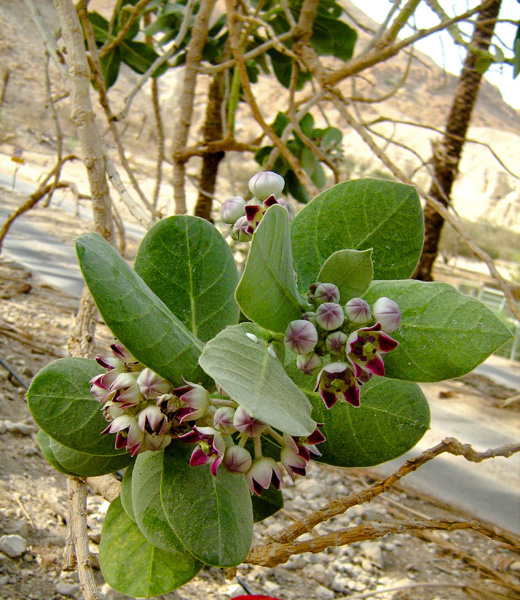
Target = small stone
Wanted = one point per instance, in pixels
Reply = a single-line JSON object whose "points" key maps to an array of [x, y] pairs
{"points": [[21, 428], [339, 584], [234, 590], [372, 551], [323, 593], [310, 488], [515, 566], [18, 527], [271, 587], [319, 573], [67, 589], [13, 545], [4, 580]]}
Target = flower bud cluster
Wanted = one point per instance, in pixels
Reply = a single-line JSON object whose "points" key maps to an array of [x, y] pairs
{"points": [[147, 413], [246, 216], [342, 345]]}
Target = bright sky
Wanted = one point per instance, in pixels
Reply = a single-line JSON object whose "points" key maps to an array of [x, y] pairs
{"points": [[445, 53]]}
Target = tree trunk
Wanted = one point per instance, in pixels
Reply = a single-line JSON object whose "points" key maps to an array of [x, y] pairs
{"points": [[212, 132], [447, 152]]}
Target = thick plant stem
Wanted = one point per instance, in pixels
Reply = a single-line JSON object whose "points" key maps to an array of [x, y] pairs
{"points": [[212, 132], [182, 127], [447, 153]]}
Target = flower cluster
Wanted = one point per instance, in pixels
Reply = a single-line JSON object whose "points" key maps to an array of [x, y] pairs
{"points": [[342, 345], [146, 413], [246, 216]]}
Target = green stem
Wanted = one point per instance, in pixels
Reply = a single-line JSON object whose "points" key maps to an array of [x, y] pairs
{"points": [[274, 434], [234, 98], [258, 446]]}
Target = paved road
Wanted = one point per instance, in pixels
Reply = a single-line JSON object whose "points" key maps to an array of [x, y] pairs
{"points": [[489, 490]]}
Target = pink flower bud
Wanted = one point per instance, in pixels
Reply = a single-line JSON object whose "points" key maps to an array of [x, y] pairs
{"points": [[329, 316], [387, 313], [335, 342], [245, 423], [288, 207], [326, 292], [265, 184], [232, 209], [223, 419], [239, 231], [357, 311], [301, 336], [237, 459], [310, 364]]}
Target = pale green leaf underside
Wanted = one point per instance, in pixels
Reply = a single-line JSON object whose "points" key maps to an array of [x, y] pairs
{"points": [[132, 566], [135, 315], [256, 380], [126, 492], [82, 464], [188, 264], [443, 333], [350, 270], [44, 442], [146, 502], [212, 516], [61, 403], [359, 215], [267, 292]]}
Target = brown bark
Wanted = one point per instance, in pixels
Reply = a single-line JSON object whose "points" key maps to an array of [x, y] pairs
{"points": [[447, 153], [212, 131]]}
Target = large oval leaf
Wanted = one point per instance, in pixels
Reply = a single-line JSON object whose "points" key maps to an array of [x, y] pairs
{"points": [[187, 263], [132, 566], [146, 502], [267, 292], [393, 417], [359, 215], [239, 361], [268, 504], [61, 403], [211, 515], [126, 492], [443, 333], [82, 464], [135, 315]]}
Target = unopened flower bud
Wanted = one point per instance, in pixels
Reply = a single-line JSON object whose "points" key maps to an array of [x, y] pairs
{"points": [[335, 342], [310, 364], [326, 292], [237, 459], [232, 209], [301, 336], [152, 385], [265, 184], [223, 419], [239, 231], [357, 311], [329, 316], [288, 207], [245, 423], [387, 313]]}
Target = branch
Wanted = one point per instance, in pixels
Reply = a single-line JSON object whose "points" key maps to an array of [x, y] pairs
{"points": [[274, 554], [133, 14], [339, 506], [287, 154], [159, 61], [199, 36], [59, 134]]}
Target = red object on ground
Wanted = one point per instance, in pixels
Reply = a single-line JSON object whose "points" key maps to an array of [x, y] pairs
{"points": [[255, 598]]}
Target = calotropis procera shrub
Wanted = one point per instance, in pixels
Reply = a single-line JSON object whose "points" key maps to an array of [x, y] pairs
{"points": [[219, 386]]}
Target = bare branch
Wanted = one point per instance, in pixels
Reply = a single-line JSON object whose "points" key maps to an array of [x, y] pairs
{"points": [[133, 14], [59, 134], [199, 35]]}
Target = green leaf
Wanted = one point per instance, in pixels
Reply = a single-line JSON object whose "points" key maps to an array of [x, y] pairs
{"points": [[132, 566], [247, 372], [110, 66], [318, 177], [146, 500], [61, 403], [282, 68], [267, 505], [392, 418], [295, 188], [211, 515], [350, 270], [443, 333], [44, 441], [267, 292], [126, 492], [82, 464], [516, 58], [140, 57], [188, 264], [135, 315], [359, 215], [280, 123], [331, 37]]}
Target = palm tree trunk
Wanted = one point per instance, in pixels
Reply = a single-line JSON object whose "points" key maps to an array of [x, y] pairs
{"points": [[447, 153]]}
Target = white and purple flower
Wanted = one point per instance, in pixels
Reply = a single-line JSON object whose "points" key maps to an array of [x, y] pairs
{"points": [[365, 347]]}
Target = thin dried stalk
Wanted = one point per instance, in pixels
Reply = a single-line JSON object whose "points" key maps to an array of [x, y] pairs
{"points": [[199, 36]]}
